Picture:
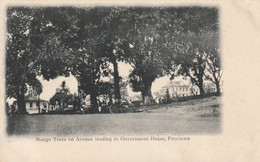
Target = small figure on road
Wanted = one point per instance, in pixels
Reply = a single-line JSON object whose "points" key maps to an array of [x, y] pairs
{"points": [[57, 106], [130, 103]]}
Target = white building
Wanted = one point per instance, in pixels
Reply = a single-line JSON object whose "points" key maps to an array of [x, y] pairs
{"points": [[184, 88], [177, 88], [35, 105]]}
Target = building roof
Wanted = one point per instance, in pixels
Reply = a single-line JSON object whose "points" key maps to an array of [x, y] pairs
{"points": [[181, 86], [35, 100], [31, 98]]}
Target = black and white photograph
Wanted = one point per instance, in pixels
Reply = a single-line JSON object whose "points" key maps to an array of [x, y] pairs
{"points": [[113, 70], [129, 80]]}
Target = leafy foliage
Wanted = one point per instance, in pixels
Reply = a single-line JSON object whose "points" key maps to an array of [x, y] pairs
{"points": [[63, 95], [213, 68], [32, 49], [193, 46], [56, 41], [154, 31]]}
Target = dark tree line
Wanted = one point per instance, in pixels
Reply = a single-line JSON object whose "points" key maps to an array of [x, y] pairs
{"points": [[63, 41]]}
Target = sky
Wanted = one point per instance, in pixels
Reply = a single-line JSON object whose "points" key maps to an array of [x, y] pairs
{"points": [[49, 87]]}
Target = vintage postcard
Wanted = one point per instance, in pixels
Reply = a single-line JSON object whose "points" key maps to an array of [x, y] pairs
{"points": [[130, 81]]}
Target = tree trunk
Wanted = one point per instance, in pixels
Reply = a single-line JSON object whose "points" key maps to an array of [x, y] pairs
{"points": [[218, 88], [147, 93], [148, 87], [143, 96], [78, 103], [110, 99], [20, 100], [116, 82], [93, 91], [201, 86], [93, 100]]}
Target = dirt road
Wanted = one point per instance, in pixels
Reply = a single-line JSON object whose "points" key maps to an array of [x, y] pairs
{"points": [[105, 124], [186, 118]]}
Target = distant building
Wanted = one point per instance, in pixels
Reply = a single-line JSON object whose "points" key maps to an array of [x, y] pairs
{"points": [[35, 105], [209, 87], [184, 88], [124, 92], [177, 89]]}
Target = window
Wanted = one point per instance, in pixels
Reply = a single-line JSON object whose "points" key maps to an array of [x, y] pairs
{"points": [[38, 103], [31, 104]]}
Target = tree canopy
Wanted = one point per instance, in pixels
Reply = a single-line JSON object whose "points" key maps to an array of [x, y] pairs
{"points": [[32, 49], [155, 41]]}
